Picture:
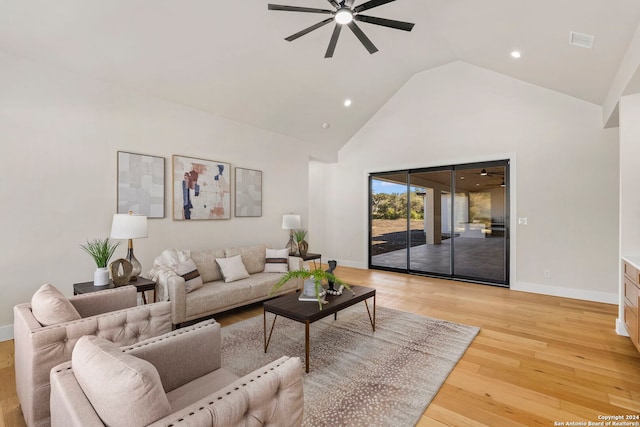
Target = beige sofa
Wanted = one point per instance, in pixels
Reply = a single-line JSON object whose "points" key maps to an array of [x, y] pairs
{"points": [[172, 380], [217, 295], [111, 314]]}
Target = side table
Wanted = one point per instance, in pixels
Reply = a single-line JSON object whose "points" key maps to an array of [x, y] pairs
{"points": [[312, 257], [142, 285]]}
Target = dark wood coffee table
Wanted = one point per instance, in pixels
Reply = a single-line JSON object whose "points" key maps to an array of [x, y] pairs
{"points": [[308, 312]]}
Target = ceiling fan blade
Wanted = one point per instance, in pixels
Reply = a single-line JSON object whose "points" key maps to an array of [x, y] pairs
{"points": [[333, 41], [370, 5], [362, 37], [334, 3], [308, 30], [398, 25], [297, 9]]}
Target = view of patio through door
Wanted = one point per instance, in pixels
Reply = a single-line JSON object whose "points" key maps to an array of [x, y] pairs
{"points": [[448, 221]]}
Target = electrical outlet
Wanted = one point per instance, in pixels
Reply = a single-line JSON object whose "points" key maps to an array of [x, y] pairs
{"points": [[522, 221], [547, 274]]}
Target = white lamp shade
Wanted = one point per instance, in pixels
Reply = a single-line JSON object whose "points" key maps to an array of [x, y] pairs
{"points": [[290, 222], [128, 226]]}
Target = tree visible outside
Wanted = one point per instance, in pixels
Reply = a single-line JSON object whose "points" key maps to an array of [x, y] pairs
{"points": [[480, 207], [394, 206], [389, 218], [389, 221]]}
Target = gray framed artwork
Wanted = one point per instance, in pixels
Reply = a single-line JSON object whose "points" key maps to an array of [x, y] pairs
{"points": [[200, 189], [248, 192], [140, 184]]}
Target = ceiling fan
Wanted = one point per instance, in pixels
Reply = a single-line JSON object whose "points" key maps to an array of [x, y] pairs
{"points": [[484, 172], [499, 175], [345, 14]]}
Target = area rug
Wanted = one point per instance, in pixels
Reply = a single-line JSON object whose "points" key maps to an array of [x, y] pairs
{"points": [[357, 377]]}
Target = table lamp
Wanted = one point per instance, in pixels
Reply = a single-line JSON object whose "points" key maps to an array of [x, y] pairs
{"points": [[130, 226], [291, 222]]}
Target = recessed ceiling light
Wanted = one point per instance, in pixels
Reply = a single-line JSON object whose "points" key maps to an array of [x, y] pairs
{"points": [[347, 102], [326, 125], [516, 54]]}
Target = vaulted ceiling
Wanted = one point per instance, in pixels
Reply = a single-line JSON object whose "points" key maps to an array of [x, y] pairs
{"points": [[230, 58]]}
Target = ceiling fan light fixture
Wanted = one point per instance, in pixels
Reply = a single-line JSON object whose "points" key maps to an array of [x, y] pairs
{"points": [[344, 16]]}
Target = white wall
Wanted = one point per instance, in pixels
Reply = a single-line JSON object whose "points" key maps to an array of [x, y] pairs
{"points": [[60, 134], [630, 175], [629, 185], [320, 206], [564, 172]]}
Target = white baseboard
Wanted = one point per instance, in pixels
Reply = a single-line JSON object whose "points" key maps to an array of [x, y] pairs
{"points": [[558, 291], [6, 333], [621, 329]]}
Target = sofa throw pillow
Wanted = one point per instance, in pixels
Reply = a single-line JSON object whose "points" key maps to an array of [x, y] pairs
{"points": [[50, 307], [189, 272], [207, 266], [252, 257], [123, 389], [232, 268], [277, 261]]}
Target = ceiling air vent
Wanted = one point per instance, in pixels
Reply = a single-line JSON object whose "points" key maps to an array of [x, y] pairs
{"points": [[582, 40]]}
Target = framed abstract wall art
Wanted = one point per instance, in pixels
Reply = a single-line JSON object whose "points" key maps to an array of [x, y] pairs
{"points": [[200, 189], [140, 184], [248, 192]]}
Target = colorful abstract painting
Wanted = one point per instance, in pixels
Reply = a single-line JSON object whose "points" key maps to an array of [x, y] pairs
{"points": [[140, 184], [248, 192], [200, 189]]}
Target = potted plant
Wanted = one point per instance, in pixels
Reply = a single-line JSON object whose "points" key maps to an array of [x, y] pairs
{"points": [[313, 280], [303, 246], [101, 250]]}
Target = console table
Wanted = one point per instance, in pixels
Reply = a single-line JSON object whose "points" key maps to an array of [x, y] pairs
{"points": [[142, 285]]}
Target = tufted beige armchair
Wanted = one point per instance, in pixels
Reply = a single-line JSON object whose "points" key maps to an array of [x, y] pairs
{"points": [[172, 380], [111, 314]]}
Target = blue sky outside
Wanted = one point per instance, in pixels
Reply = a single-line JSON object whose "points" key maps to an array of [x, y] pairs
{"points": [[387, 187]]}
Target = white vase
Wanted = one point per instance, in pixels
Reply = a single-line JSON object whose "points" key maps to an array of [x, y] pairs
{"points": [[309, 288], [101, 276]]}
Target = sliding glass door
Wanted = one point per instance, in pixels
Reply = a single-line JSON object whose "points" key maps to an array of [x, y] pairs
{"points": [[480, 242], [431, 221], [449, 221], [389, 239]]}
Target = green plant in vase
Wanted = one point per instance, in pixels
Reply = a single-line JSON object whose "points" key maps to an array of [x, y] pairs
{"points": [[299, 235], [101, 250], [313, 280]]}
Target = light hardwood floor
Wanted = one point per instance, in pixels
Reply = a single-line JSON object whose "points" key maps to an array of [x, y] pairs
{"points": [[537, 361]]}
